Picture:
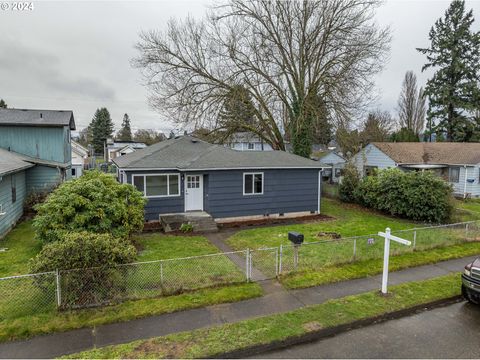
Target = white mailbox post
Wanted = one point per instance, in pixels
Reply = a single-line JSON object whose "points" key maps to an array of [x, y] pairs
{"points": [[386, 254]]}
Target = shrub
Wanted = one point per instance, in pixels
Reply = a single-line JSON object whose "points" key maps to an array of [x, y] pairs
{"points": [[95, 202], [350, 180], [186, 228], [420, 196], [94, 278]]}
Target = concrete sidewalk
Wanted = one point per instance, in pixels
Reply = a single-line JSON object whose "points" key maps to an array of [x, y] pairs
{"points": [[276, 301]]}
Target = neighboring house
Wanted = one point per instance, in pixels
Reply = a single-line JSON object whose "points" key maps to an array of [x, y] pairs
{"points": [[337, 164], [44, 136], [13, 188], [245, 141], [79, 159], [119, 148], [457, 163], [188, 174]]}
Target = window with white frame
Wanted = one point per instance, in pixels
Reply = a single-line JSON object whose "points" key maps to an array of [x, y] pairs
{"points": [[157, 185], [252, 183], [251, 146]]}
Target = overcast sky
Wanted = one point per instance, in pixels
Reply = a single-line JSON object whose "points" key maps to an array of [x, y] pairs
{"points": [[76, 55]]}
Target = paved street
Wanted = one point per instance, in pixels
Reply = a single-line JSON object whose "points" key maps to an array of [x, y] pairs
{"points": [[449, 332]]}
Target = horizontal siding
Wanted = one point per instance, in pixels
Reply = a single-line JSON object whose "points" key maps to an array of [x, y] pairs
{"points": [[287, 190], [371, 156], [47, 143], [13, 211], [43, 178], [332, 158]]}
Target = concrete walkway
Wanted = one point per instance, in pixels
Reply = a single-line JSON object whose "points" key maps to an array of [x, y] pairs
{"points": [[277, 300]]}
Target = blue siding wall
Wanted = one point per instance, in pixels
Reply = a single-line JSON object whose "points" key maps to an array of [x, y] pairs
{"points": [[43, 178], [13, 211], [48, 143], [285, 190]]}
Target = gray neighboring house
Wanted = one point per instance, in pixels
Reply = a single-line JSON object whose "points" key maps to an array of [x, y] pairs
{"points": [[187, 174], [247, 141], [456, 163], [337, 163]]}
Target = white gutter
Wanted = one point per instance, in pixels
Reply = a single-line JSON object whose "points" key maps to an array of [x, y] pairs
{"points": [[319, 188]]}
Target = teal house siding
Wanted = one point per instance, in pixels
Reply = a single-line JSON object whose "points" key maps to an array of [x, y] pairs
{"points": [[13, 211], [43, 178], [46, 143]]}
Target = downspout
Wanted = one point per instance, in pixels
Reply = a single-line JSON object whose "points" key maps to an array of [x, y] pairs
{"points": [[465, 185], [319, 188]]}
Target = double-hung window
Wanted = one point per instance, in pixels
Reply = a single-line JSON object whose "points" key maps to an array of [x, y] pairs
{"points": [[157, 185], [454, 174], [252, 183]]}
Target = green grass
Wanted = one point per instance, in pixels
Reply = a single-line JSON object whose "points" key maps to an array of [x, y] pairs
{"points": [[53, 321], [467, 210], [22, 246], [372, 267], [214, 341], [350, 220], [157, 246]]}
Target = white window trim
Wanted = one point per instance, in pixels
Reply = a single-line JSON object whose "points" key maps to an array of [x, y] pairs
{"points": [[253, 185], [168, 185]]}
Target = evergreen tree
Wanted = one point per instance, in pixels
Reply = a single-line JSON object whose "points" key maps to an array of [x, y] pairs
{"points": [[3, 104], [102, 129], [238, 112], [453, 90], [125, 133]]}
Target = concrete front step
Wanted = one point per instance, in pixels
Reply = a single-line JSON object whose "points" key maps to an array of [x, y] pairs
{"points": [[200, 221]]}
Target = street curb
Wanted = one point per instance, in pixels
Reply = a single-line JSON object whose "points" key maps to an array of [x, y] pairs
{"points": [[335, 330]]}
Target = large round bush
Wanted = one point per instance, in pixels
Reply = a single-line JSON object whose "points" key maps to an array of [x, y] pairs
{"points": [[420, 196], [88, 267], [95, 202], [349, 182]]}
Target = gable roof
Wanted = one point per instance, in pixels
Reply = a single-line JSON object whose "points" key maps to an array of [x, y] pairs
{"points": [[79, 149], [445, 153], [11, 162], [189, 153], [26, 117], [330, 157]]}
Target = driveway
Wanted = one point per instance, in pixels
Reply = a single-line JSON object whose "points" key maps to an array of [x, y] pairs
{"points": [[449, 332]]}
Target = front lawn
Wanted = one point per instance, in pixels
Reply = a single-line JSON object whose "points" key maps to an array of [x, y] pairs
{"points": [[22, 246], [215, 341], [350, 220]]}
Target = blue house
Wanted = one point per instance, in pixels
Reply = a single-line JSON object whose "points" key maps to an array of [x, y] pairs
{"points": [[337, 163], [456, 163], [187, 174], [35, 156]]}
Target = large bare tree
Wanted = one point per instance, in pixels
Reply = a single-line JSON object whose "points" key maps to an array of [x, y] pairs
{"points": [[411, 105], [286, 54]]}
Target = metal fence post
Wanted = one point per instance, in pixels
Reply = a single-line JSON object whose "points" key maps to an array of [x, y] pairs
{"points": [[466, 231], [59, 290], [280, 262], [161, 273], [414, 238], [354, 248], [276, 262], [247, 261]]}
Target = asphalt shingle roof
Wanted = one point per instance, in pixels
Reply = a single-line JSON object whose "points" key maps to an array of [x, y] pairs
{"points": [[11, 162], [189, 153], [37, 117], [445, 153]]}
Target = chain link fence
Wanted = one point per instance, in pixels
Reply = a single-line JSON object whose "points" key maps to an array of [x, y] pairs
{"points": [[82, 288]]}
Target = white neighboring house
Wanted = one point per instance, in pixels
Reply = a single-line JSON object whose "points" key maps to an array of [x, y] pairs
{"points": [[79, 159], [247, 141], [119, 148], [337, 162], [456, 163]]}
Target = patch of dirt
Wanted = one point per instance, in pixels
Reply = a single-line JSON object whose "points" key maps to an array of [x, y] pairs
{"points": [[167, 349], [276, 220], [329, 234], [312, 326]]}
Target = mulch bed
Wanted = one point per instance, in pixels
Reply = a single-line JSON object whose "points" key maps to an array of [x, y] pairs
{"points": [[275, 221]]}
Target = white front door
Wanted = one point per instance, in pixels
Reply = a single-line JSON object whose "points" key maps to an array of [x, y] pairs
{"points": [[193, 192]]}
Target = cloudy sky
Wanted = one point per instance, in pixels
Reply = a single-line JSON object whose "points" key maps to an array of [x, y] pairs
{"points": [[76, 55]]}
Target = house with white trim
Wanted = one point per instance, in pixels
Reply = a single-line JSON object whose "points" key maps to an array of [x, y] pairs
{"points": [[456, 163]]}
